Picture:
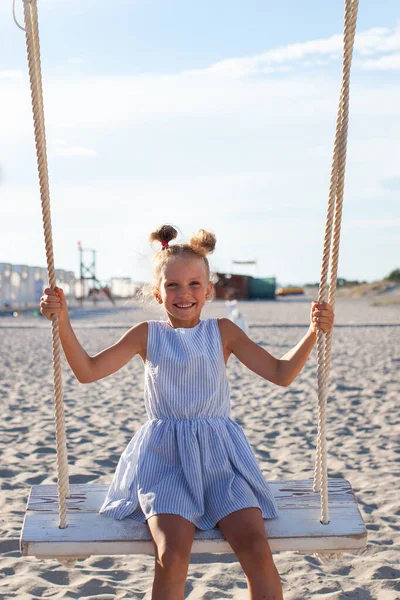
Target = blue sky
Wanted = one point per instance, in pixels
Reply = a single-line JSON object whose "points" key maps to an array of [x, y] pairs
{"points": [[216, 114]]}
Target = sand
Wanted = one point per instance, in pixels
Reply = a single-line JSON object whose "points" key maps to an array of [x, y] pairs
{"points": [[280, 423]]}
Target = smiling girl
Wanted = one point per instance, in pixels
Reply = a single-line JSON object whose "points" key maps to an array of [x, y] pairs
{"points": [[190, 465]]}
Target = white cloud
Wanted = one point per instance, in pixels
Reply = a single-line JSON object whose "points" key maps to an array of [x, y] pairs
{"points": [[385, 63], [12, 75], [376, 40], [372, 41], [248, 156], [103, 103], [239, 67], [75, 61], [74, 151], [372, 224]]}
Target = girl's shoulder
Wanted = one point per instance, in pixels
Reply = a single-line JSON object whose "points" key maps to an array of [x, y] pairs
{"points": [[140, 329], [225, 325], [230, 332]]}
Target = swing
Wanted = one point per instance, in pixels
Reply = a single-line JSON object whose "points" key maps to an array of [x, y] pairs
{"points": [[302, 525]]}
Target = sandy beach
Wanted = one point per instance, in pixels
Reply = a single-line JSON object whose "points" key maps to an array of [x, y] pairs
{"points": [[280, 424]]}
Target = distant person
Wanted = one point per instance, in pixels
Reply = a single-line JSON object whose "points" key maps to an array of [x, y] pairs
{"points": [[107, 292], [190, 465], [94, 294], [235, 315]]}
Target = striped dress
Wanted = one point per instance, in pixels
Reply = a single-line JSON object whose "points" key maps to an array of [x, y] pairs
{"points": [[190, 458]]}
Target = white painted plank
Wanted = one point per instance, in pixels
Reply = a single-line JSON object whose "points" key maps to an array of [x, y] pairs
{"points": [[90, 533], [89, 497]]}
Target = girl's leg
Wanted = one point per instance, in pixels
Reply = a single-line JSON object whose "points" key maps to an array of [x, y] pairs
{"points": [[172, 538], [245, 532]]}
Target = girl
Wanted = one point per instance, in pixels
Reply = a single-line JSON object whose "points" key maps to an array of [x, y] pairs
{"points": [[190, 465]]}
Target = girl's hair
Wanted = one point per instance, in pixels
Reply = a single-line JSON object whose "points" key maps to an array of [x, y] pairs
{"points": [[201, 244]]}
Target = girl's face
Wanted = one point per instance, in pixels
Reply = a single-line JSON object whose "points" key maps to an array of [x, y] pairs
{"points": [[184, 288]]}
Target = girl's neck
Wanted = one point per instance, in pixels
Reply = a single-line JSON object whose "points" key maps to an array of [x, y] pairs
{"points": [[176, 324]]}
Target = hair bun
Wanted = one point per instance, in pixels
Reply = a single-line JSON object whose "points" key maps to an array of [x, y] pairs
{"points": [[203, 242], [165, 234]]}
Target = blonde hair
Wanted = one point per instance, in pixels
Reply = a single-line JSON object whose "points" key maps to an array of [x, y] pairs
{"points": [[201, 244]]}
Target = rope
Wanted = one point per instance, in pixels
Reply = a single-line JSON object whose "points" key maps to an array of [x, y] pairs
{"points": [[33, 52], [327, 558], [331, 253], [15, 18]]}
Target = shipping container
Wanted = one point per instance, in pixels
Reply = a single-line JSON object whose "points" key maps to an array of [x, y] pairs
{"points": [[262, 288]]}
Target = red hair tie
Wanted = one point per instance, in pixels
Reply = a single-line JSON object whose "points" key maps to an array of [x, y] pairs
{"points": [[164, 244]]}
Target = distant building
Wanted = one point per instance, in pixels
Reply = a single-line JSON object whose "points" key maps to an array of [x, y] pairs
{"points": [[244, 287], [21, 286], [123, 287]]}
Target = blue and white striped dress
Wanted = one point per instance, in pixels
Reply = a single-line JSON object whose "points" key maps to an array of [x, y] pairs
{"points": [[190, 458]]}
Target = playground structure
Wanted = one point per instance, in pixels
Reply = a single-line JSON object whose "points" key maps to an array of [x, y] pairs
{"points": [[87, 262]]}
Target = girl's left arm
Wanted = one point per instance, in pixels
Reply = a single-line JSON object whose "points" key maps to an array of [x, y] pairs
{"points": [[292, 363], [279, 371]]}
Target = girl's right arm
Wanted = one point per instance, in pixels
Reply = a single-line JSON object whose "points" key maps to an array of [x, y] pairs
{"points": [[91, 368]]}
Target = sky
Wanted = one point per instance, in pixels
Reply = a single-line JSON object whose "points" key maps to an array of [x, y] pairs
{"points": [[217, 115]]}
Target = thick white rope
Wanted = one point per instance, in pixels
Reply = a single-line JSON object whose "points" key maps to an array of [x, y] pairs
{"points": [[35, 77], [15, 17], [331, 252]]}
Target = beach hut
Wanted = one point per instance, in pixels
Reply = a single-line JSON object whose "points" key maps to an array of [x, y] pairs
{"points": [[123, 287], [20, 286], [38, 280], [69, 285], [5, 286]]}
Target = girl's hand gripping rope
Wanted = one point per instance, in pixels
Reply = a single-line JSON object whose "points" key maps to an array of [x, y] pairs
{"points": [[53, 302], [322, 317]]}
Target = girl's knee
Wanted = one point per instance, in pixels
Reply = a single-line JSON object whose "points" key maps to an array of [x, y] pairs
{"points": [[174, 562], [172, 540], [252, 545], [255, 554]]}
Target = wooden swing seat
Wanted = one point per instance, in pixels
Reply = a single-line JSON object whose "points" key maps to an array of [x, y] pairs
{"points": [[298, 528]]}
